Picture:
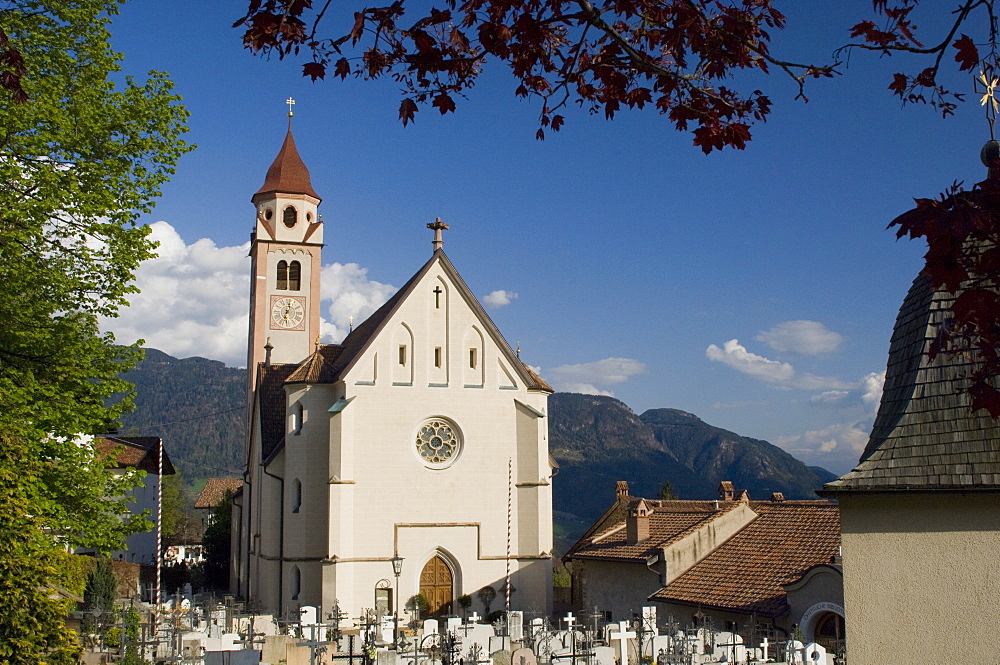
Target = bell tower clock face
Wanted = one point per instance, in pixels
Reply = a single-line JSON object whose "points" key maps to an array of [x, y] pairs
{"points": [[288, 313]]}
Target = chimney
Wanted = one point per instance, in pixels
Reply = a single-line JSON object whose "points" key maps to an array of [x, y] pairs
{"points": [[621, 490], [777, 497], [726, 490], [637, 523]]}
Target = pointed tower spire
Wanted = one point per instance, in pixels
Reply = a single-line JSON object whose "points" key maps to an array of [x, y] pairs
{"points": [[288, 173]]}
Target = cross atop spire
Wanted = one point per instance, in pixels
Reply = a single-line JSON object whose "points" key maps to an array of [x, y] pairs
{"points": [[291, 103], [438, 226]]}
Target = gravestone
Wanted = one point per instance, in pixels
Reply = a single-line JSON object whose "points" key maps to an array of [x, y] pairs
{"points": [[515, 625], [815, 653], [523, 656], [386, 656], [275, 647], [499, 643], [454, 623], [500, 657], [307, 615], [604, 655], [385, 629], [729, 648], [620, 637], [794, 653], [430, 627], [243, 657]]}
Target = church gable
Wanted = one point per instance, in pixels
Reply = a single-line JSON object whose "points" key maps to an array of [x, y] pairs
{"points": [[434, 333]]}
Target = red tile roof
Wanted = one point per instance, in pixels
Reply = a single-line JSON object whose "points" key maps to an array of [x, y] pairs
{"points": [[743, 574], [288, 173], [217, 489], [139, 452], [747, 572]]}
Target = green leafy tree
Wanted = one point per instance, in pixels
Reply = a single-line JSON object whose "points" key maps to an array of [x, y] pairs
{"points": [[80, 159], [667, 491], [218, 545]]}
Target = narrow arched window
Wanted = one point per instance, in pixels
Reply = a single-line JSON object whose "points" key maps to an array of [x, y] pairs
{"points": [[289, 216], [282, 275], [296, 495], [294, 275], [296, 582]]}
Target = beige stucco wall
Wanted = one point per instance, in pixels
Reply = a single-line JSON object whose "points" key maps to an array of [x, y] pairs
{"points": [[612, 586], [920, 577]]}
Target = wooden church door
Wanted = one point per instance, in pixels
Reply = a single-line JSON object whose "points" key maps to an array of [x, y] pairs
{"points": [[436, 586]]}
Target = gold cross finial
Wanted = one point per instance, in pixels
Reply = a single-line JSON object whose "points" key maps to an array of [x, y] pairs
{"points": [[291, 103], [989, 99], [317, 342]]}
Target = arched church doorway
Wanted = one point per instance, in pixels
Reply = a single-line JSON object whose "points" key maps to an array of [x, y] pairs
{"points": [[437, 586], [829, 631]]}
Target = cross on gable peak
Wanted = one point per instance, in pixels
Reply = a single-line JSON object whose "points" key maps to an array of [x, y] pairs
{"points": [[437, 226]]}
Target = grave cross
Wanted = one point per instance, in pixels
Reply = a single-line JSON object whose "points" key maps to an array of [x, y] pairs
{"points": [[570, 620], [764, 645], [474, 617], [623, 636]]}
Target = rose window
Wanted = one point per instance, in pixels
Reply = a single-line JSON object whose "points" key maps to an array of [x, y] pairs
{"points": [[438, 442]]}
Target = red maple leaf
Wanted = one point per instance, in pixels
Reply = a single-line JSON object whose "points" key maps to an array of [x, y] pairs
{"points": [[315, 70], [967, 55], [406, 110]]}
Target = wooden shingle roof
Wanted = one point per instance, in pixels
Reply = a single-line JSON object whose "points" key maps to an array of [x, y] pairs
{"points": [[925, 435], [271, 402]]}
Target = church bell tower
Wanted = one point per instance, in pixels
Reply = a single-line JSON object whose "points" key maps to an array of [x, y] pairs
{"points": [[285, 254]]}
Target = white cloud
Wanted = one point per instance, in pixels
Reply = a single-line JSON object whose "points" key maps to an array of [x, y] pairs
{"points": [[804, 338], [871, 389], [194, 299], [839, 445], [588, 377], [351, 294], [499, 298], [775, 373]]}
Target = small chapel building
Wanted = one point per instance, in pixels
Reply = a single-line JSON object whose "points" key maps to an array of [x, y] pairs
{"points": [[411, 458]]}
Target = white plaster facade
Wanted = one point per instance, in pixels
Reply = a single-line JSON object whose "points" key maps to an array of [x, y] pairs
{"points": [[341, 489]]}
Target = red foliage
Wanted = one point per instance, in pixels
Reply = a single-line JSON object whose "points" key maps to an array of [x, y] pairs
{"points": [[962, 230], [11, 70]]}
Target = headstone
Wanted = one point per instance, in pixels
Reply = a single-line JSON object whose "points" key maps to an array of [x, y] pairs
{"points": [[649, 619], [523, 656], [604, 655], [500, 657], [499, 643], [620, 637], [430, 627], [815, 653], [386, 656], [794, 653], [385, 629], [454, 623], [275, 647], [307, 615], [242, 657], [660, 643], [515, 625]]}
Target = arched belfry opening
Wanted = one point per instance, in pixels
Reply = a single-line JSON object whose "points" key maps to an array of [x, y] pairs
{"points": [[437, 586]]}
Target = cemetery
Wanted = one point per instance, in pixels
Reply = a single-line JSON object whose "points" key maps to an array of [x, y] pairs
{"points": [[197, 630]]}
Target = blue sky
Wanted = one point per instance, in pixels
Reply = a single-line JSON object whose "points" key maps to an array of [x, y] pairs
{"points": [[636, 260]]}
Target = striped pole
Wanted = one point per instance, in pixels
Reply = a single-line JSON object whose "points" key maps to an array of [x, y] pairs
{"points": [[159, 530], [510, 500]]}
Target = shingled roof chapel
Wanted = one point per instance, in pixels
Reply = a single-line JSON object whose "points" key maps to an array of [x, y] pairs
{"points": [[920, 514]]}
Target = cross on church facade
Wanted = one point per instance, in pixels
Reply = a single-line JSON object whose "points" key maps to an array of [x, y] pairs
{"points": [[437, 297]]}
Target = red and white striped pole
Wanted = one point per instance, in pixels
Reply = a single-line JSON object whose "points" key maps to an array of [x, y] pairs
{"points": [[159, 530], [510, 500]]}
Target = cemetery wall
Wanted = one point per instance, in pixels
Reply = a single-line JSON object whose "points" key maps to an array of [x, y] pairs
{"points": [[919, 565]]}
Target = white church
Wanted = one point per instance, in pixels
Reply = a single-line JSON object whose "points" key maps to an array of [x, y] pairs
{"points": [[412, 458]]}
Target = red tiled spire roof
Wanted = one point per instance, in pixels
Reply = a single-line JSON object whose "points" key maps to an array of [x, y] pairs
{"points": [[288, 173]]}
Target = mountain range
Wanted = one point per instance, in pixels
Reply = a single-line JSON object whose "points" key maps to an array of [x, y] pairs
{"points": [[198, 407]]}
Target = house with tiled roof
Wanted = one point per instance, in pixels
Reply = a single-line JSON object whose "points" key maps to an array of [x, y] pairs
{"points": [[410, 458], [741, 564], [143, 453], [921, 510], [216, 490]]}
